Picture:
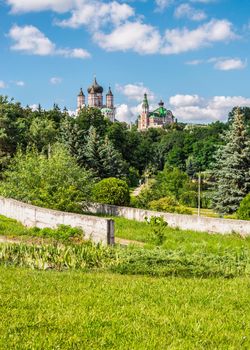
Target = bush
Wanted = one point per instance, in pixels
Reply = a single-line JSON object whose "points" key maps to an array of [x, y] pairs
{"points": [[111, 191], [62, 232], [189, 198], [170, 205], [158, 229], [243, 212], [133, 177], [55, 182]]}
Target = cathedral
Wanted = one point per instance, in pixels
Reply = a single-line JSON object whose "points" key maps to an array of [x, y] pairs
{"points": [[154, 119], [95, 99]]}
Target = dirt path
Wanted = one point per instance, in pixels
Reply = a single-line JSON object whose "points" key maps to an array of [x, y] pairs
{"points": [[35, 240], [126, 242], [138, 190]]}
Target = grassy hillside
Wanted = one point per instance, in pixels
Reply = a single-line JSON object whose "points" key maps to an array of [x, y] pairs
{"points": [[74, 310]]}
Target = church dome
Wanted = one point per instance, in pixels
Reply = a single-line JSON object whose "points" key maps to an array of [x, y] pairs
{"points": [[95, 88]]}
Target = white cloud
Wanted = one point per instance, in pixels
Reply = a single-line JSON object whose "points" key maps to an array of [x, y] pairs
{"points": [[96, 13], [55, 80], [135, 91], [204, 1], [183, 40], [73, 53], [136, 36], [162, 4], [185, 100], [205, 110], [187, 108], [124, 113], [2, 84], [30, 40], [195, 62], [220, 102], [222, 63], [21, 6], [20, 83], [113, 28], [230, 64], [185, 10], [146, 39], [34, 107]]}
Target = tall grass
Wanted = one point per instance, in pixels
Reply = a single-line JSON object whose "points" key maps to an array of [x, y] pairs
{"points": [[132, 260]]}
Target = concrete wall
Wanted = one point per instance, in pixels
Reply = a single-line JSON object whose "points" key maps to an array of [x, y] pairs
{"points": [[185, 222], [100, 229]]}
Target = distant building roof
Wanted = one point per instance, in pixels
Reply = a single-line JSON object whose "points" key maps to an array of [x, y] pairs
{"points": [[95, 88]]}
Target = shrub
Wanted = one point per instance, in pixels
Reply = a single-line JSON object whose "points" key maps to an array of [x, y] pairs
{"points": [[189, 198], [170, 205], [111, 191], [243, 212], [55, 182], [133, 177], [62, 232], [158, 229]]}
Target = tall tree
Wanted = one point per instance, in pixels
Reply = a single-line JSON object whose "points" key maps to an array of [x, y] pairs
{"points": [[92, 151], [111, 160], [56, 182], [232, 167]]}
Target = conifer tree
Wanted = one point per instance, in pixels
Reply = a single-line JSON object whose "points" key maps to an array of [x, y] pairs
{"points": [[232, 167], [92, 151], [111, 160], [73, 138]]}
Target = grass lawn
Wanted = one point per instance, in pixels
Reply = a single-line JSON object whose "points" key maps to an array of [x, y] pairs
{"points": [[205, 212], [188, 240], [75, 310]]}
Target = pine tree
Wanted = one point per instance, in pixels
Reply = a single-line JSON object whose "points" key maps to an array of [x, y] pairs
{"points": [[92, 151], [73, 137], [111, 160], [232, 167]]}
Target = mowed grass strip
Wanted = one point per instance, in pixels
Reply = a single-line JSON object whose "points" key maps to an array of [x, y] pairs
{"points": [[188, 240], [74, 310]]}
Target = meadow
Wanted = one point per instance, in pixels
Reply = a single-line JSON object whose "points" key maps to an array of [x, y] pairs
{"points": [[190, 293], [76, 310]]}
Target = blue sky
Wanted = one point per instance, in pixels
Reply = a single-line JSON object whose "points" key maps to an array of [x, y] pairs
{"points": [[194, 54]]}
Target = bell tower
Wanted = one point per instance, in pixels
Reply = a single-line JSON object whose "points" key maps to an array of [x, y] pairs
{"points": [[144, 117], [110, 99], [80, 101]]}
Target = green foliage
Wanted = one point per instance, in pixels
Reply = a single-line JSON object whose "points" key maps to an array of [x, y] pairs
{"points": [[170, 205], [56, 182], [111, 191], [42, 133], [243, 212], [13, 228], [133, 260], [174, 146], [158, 229], [133, 177], [61, 233], [13, 129], [92, 117], [189, 199], [232, 167], [170, 183], [112, 164]]}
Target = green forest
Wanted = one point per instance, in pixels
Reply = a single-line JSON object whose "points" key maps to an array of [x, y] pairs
{"points": [[52, 159]]}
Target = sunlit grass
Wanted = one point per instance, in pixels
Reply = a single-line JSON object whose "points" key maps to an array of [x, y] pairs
{"points": [[75, 310]]}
